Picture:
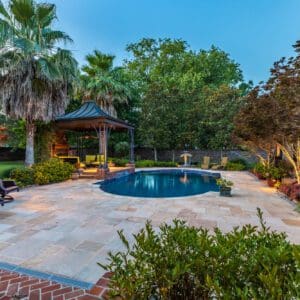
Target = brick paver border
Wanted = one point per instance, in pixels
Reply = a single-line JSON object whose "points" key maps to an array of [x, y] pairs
{"points": [[14, 285]]}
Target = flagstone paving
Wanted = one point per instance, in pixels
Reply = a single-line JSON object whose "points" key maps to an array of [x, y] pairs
{"points": [[67, 228]]}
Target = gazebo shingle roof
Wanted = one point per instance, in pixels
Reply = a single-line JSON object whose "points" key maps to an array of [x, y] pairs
{"points": [[89, 109], [89, 114]]}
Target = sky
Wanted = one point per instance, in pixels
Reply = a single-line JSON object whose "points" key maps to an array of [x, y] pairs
{"points": [[254, 32]]}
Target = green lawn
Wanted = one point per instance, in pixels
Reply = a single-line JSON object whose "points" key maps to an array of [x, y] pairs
{"points": [[7, 166]]}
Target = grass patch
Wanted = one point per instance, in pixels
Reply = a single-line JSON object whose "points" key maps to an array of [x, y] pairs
{"points": [[7, 166]]}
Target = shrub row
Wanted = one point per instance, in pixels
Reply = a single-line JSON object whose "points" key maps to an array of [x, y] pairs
{"points": [[152, 163], [181, 262], [237, 165], [51, 171]]}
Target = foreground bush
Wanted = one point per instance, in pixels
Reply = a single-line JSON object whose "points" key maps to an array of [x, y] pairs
{"points": [[181, 262], [51, 171], [153, 163]]}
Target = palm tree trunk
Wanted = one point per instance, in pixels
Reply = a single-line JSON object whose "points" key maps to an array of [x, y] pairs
{"points": [[29, 154]]}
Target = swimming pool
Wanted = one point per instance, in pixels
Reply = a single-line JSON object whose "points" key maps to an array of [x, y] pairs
{"points": [[162, 183]]}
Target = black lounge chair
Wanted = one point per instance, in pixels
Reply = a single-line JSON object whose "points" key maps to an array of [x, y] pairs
{"points": [[7, 187]]}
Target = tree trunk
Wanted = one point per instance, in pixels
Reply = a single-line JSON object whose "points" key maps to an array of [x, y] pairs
{"points": [[173, 155], [155, 154], [29, 154], [295, 161]]}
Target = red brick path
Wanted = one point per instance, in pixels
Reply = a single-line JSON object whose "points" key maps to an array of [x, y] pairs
{"points": [[16, 286]]}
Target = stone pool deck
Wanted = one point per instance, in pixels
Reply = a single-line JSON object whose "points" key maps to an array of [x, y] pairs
{"points": [[67, 228]]}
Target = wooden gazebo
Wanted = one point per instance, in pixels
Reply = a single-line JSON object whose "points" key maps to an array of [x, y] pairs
{"points": [[90, 117]]}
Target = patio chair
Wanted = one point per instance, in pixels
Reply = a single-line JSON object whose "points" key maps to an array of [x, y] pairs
{"points": [[90, 159], [7, 187], [206, 162], [222, 165], [100, 159]]}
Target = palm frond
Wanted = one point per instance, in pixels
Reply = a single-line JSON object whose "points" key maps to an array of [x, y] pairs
{"points": [[45, 13], [55, 36], [23, 11]]}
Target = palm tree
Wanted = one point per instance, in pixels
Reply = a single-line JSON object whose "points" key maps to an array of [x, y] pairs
{"points": [[103, 82], [35, 74]]}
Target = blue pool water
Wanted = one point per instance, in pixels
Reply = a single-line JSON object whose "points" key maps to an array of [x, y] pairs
{"points": [[162, 183]]}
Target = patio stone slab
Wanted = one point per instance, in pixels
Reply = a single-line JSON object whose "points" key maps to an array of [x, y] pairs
{"points": [[66, 228]]}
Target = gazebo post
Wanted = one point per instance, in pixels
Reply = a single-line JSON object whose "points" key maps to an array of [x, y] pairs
{"points": [[131, 132], [105, 139]]}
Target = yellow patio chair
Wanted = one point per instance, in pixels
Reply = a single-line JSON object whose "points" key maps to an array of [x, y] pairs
{"points": [[99, 160], [206, 162], [222, 165], [89, 159]]}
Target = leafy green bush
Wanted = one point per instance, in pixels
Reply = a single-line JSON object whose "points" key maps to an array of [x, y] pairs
{"points": [[119, 162], [181, 262], [23, 176], [152, 163], [275, 172], [53, 170], [260, 169], [235, 166]]}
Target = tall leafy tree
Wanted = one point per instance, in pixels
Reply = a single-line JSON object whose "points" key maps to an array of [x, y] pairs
{"points": [[272, 114], [192, 95], [35, 73]]}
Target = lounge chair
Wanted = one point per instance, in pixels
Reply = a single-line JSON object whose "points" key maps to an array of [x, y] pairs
{"points": [[222, 165], [206, 162], [7, 187]]}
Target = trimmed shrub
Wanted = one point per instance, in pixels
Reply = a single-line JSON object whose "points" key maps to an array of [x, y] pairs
{"points": [[180, 262], [51, 171], [23, 176], [152, 163], [119, 162], [235, 166]]}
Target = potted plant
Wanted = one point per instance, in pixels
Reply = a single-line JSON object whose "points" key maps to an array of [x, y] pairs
{"points": [[225, 187]]}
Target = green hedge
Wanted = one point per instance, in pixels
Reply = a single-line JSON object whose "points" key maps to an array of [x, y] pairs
{"points": [[237, 164], [181, 262], [119, 162], [152, 163], [51, 171]]}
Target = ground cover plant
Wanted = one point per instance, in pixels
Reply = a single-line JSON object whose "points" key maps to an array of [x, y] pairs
{"points": [[182, 262]]}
